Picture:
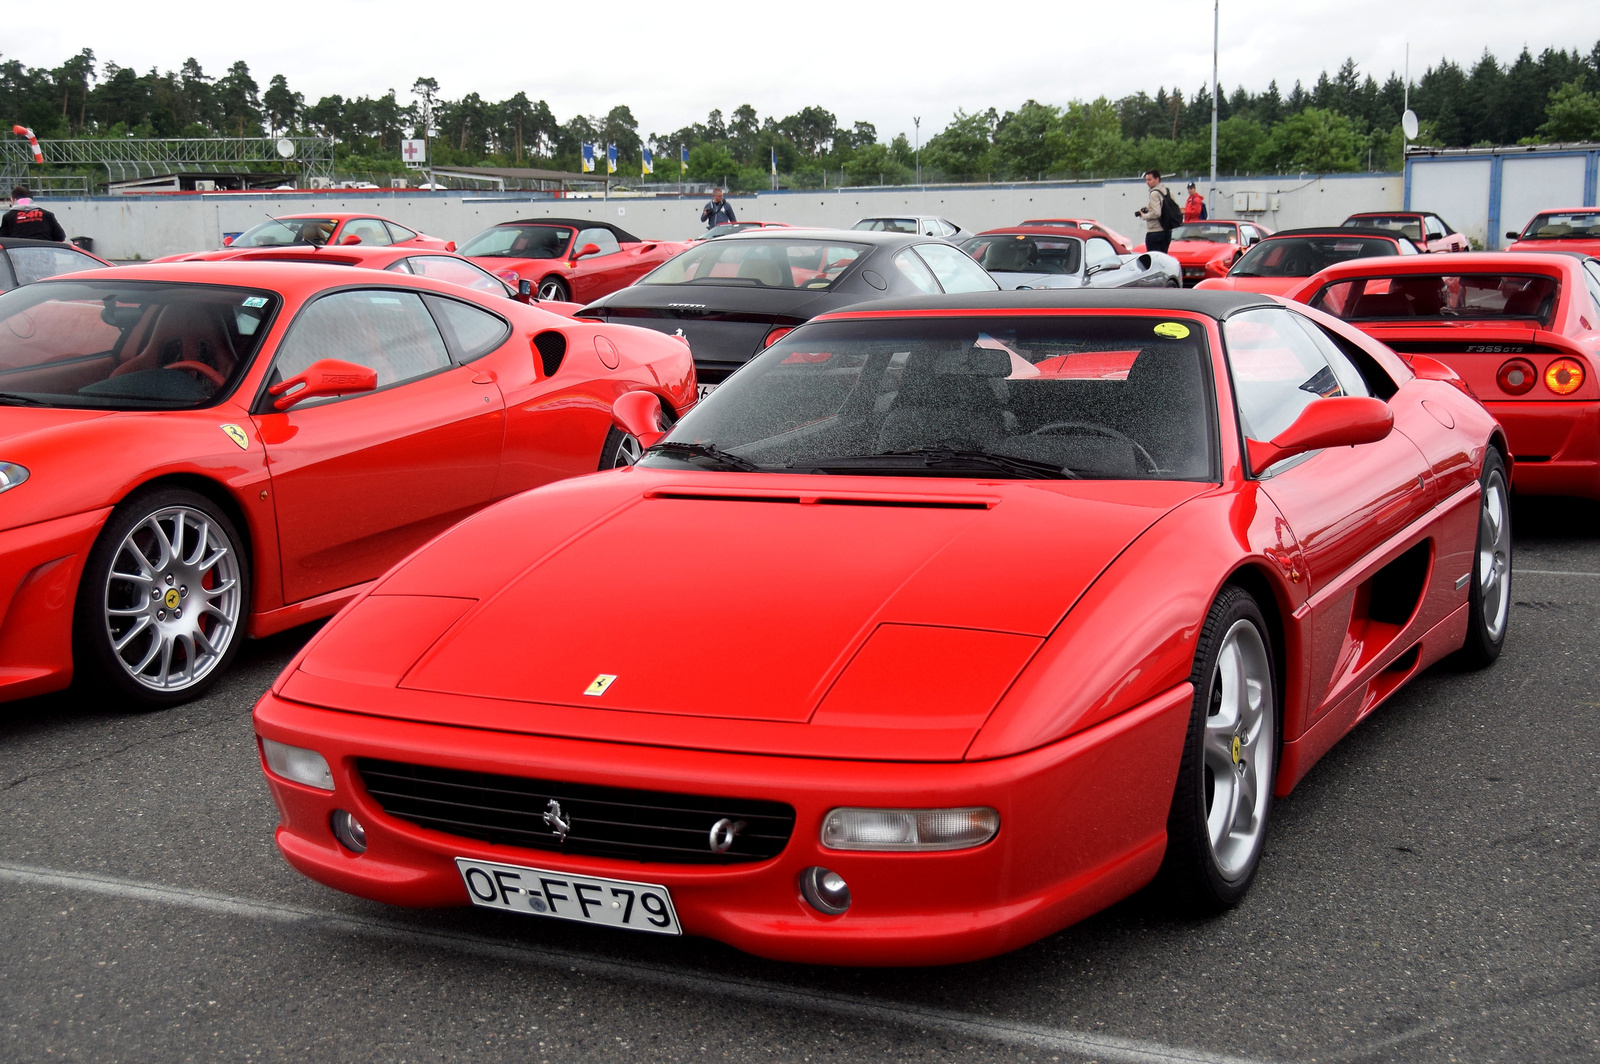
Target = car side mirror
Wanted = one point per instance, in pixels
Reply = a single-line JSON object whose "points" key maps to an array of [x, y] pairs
{"points": [[1101, 267], [350, 238], [324, 377], [525, 290], [450, 245], [638, 413], [1342, 421], [585, 251], [1512, 236], [227, 241]]}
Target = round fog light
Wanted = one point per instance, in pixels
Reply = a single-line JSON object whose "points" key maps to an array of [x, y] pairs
{"points": [[825, 890], [348, 830]]}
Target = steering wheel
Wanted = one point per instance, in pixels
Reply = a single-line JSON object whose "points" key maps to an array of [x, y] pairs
{"points": [[1092, 429], [201, 368]]}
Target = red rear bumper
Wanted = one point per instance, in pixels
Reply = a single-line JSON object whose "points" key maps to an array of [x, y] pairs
{"points": [[1083, 824], [1555, 445]]}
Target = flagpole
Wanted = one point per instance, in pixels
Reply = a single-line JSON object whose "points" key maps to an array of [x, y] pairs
{"points": [[1216, 37]]}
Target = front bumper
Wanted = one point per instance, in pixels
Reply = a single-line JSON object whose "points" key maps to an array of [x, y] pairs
{"points": [[1555, 445], [39, 569], [1082, 824]]}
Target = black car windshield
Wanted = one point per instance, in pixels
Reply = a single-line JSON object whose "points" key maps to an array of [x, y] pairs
{"points": [[1302, 256], [1565, 225], [130, 345], [777, 262], [282, 232], [1407, 225], [1015, 253], [1057, 397], [1210, 232], [519, 242], [1472, 296], [729, 228]]}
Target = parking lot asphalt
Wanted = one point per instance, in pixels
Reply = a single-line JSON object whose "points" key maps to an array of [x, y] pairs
{"points": [[1429, 893]]}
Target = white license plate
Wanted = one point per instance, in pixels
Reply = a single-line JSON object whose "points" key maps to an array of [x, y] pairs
{"points": [[585, 899], [703, 390]]}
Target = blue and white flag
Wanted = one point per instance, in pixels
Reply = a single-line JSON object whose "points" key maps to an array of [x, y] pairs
{"points": [[611, 158], [774, 160], [588, 158], [683, 159], [649, 162]]}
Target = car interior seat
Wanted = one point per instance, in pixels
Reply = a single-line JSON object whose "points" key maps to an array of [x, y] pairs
{"points": [[1166, 409], [763, 269], [954, 402], [183, 332]]}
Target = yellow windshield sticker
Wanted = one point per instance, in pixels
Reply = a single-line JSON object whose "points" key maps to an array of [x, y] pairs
{"points": [[1172, 330], [236, 434]]}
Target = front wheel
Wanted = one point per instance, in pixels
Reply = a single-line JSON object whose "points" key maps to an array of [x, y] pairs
{"points": [[554, 290], [1223, 796], [163, 596], [620, 450], [1489, 601]]}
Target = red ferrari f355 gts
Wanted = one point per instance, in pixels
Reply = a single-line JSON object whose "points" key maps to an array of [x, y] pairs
{"points": [[1003, 606]]}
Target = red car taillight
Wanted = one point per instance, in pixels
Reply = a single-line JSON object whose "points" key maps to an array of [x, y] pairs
{"points": [[774, 335], [1564, 376], [1517, 377]]}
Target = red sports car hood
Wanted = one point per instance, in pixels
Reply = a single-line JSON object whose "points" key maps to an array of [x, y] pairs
{"points": [[1193, 252], [1272, 286], [889, 614]]}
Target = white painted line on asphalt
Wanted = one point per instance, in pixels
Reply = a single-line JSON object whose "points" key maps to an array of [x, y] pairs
{"points": [[1097, 1047], [1549, 572]]}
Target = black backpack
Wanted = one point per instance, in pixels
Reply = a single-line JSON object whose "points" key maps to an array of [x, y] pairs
{"points": [[1171, 213]]}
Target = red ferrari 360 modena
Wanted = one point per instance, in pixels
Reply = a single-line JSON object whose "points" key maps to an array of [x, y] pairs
{"points": [[318, 230], [1575, 230], [1522, 329], [195, 452], [567, 259], [1004, 605]]}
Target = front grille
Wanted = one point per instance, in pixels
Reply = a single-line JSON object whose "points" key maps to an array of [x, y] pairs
{"points": [[619, 822]]}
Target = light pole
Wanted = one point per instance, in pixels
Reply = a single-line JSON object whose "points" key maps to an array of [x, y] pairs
{"points": [[916, 152], [1216, 25]]}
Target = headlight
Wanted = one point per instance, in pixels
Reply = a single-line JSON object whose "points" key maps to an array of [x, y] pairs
{"points": [[11, 475], [301, 766], [908, 829]]}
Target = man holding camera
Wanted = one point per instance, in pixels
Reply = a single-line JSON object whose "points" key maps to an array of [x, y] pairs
{"points": [[718, 212]]}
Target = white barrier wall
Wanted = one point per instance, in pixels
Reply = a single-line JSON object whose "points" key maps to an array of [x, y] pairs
{"points": [[1487, 192], [125, 227]]}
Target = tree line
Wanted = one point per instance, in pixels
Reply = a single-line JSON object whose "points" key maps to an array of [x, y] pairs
{"points": [[1345, 121]]}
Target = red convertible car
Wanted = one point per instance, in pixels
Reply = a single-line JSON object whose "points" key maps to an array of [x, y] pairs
{"points": [[1521, 329], [196, 452], [1423, 228], [318, 230], [1576, 230], [1122, 244], [567, 259], [1279, 264], [1004, 605], [1198, 245]]}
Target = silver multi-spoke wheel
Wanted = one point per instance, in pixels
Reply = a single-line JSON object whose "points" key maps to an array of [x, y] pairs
{"points": [[1238, 750], [628, 452], [172, 598], [553, 289], [1494, 556]]}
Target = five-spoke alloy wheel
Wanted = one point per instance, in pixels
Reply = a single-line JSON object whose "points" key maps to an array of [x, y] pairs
{"points": [[1490, 595], [554, 290], [163, 598]]}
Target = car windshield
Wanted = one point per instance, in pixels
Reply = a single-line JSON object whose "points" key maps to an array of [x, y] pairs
{"points": [[1210, 232], [1473, 296], [1302, 256], [886, 225], [1026, 254], [133, 345], [729, 228], [1052, 396], [518, 242], [1407, 225], [281, 232], [1567, 225], [812, 265]]}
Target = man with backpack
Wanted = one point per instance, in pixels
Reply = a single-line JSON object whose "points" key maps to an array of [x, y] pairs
{"points": [[1161, 215]]}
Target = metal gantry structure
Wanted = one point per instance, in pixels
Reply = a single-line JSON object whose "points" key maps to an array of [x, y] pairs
{"points": [[133, 157]]}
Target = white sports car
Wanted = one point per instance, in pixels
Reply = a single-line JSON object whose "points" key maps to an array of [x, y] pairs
{"points": [[1059, 258]]}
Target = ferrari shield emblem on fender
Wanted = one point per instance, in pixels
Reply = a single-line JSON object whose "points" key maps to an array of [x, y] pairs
{"points": [[236, 434], [598, 687]]}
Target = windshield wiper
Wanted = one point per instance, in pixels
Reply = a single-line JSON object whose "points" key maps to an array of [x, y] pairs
{"points": [[930, 457], [707, 450], [14, 399]]}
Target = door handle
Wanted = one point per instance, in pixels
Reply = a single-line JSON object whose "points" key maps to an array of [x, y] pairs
{"points": [[482, 378]]}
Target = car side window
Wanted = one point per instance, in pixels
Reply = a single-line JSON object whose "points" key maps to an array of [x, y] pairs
{"points": [[35, 264], [370, 230], [917, 272], [399, 266], [955, 269], [1277, 371], [1351, 380], [1434, 227], [1098, 250], [386, 330], [1591, 274], [8, 278], [603, 239], [456, 271], [398, 233], [471, 332]]}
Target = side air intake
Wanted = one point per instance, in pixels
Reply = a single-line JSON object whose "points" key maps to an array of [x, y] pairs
{"points": [[552, 348]]}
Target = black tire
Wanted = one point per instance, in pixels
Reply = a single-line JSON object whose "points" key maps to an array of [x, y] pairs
{"points": [[554, 289], [111, 605], [1194, 878], [1489, 599], [620, 449]]}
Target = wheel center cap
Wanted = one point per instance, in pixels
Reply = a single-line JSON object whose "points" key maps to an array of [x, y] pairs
{"points": [[171, 599], [1236, 749]]}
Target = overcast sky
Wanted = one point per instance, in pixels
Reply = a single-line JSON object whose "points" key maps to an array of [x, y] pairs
{"points": [[881, 62]]}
